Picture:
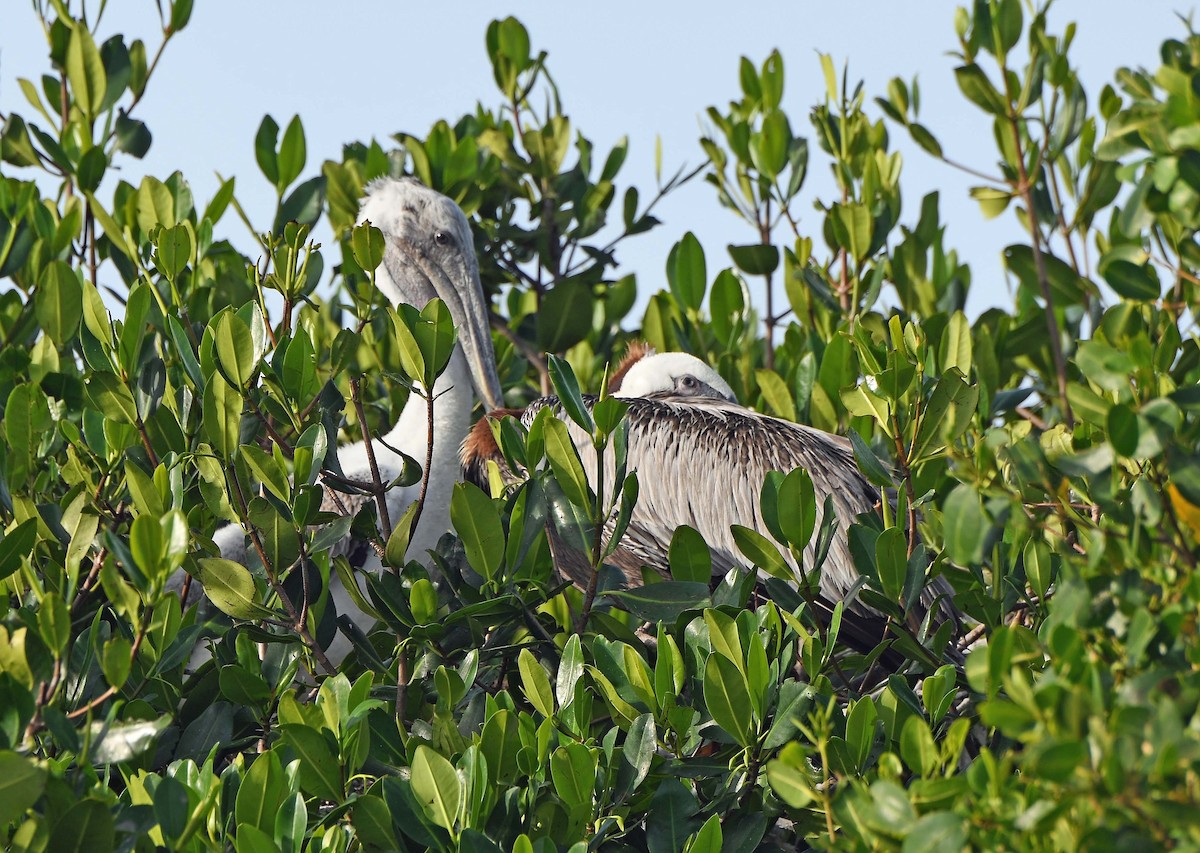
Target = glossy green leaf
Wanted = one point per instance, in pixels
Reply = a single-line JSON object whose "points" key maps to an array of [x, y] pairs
{"points": [[728, 698], [231, 588], [535, 683], [689, 556], [437, 787], [564, 461], [58, 302], [567, 387]]}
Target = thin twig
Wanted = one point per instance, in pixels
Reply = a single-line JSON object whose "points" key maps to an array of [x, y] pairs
{"points": [[300, 627], [385, 520]]}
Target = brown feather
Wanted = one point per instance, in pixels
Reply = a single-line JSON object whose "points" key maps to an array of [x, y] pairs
{"points": [[635, 352]]}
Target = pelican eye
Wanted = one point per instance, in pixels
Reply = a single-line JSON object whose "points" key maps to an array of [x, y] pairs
{"points": [[442, 238], [689, 382]]}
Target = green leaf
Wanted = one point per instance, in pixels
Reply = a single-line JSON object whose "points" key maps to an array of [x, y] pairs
{"points": [[85, 71], [862, 402], [58, 302], [917, 748], [231, 588], [727, 698], [955, 349], [965, 525], [709, 838], [1039, 566], [367, 245], [535, 683], [790, 784], [437, 787], [689, 556], [112, 397], [435, 336], [564, 462], [992, 201], [567, 387], [292, 156], [264, 149], [478, 525], [755, 259], [234, 347], [16, 545], [404, 322], [222, 415], [687, 273], [1123, 432], [174, 251], [570, 670], [937, 832], [268, 471], [891, 561], [869, 463], [132, 136], [761, 552], [21, 785], [796, 509], [171, 806], [769, 146], [320, 771], [663, 602], [86, 827], [975, 84], [573, 769], [1133, 281], [1067, 287], [146, 543], [91, 170], [1104, 365], [776, 393], [396, 551], [860, 731], [565, 316]]}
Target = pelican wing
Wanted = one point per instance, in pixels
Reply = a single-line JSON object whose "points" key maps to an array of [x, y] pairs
{"points": [[702, 463]]}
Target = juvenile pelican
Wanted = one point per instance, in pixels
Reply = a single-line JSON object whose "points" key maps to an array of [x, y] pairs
{"points": [[701, 460], [428, 253]]}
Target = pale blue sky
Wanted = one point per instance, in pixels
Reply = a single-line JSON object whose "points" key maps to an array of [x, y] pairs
{"points": [[370, 69]]}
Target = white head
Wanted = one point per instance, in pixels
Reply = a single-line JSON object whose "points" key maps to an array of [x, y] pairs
{"points": [[429, 253], [674, 374]]}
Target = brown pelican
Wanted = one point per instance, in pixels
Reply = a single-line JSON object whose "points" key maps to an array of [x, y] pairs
{"points": [[702, 459], [429, 253], [641, 373]]}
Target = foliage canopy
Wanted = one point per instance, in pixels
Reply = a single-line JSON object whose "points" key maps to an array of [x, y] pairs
{"points": [[1047, 455]]}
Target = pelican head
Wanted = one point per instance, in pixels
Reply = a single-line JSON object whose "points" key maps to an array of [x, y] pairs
{"points": [[430, 253], [674, 374]]}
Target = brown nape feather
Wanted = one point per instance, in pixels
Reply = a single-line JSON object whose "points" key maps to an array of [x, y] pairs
{"points": [[480, 445], [635, 352]]}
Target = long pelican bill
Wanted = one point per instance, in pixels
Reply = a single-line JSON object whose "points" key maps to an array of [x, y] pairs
{"points": [[462, 292]]}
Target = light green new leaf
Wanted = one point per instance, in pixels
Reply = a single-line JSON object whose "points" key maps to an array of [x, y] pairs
{"points": [[235, 349], [231, 588], [535, 683], [437, 787], [570, 670], [21, 784], [85, 70]]}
